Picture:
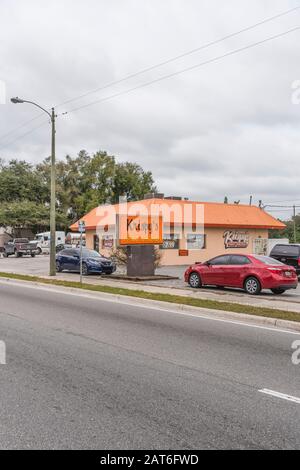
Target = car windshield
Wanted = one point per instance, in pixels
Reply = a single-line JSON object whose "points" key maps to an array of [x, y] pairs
{"points": [[267, 260], [90, 254]]}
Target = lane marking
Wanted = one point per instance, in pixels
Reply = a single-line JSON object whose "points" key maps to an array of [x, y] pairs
{"points": [[126, 301], [283, 396]]}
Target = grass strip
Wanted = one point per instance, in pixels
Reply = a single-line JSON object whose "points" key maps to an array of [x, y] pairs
{"points": [[175, 299]]}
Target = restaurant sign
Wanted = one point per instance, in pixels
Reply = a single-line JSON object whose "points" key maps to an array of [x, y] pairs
{"points": [[140, 230], [236, 239]]}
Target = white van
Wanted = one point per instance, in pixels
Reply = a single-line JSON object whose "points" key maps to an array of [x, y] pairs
{"points": [[43, 241]]}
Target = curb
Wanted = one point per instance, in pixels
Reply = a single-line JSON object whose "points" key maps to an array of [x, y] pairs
{"points": [[167, 306]]}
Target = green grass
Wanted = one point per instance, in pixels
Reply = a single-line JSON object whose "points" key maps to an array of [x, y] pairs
{"points": [[175, 299]]}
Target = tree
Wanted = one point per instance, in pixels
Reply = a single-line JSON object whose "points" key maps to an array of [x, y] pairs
{"points": [[132, 181], [85, 182], [19, 180], [28, 214], [288, 232], [82, 183]]}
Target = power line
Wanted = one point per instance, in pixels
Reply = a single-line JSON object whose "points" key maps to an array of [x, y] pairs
{"points": [[180, 56], [284, 207], [23, 135], [147, 69], [20, 126], [187, 69], [279, 202]]}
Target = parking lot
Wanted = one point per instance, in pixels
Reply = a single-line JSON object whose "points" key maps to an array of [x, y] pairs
{"points": [[39, 266]]}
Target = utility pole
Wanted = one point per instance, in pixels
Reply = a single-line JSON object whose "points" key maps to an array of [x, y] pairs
{"points": [[53, 200], [52, 270], [295, 231]]}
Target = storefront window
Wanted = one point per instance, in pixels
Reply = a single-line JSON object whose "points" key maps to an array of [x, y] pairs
{"points": [[170, 241], [196, 241], [96, 243]]}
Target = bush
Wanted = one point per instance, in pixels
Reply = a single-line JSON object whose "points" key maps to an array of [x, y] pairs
{"points": [[120, 255]]}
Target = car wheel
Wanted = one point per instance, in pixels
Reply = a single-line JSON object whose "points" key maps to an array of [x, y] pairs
{"points": [[58, 267], [195, 281], [39, 250], [278, 291], [5, 255], [252, 286], [32, 255], [85, 270]]}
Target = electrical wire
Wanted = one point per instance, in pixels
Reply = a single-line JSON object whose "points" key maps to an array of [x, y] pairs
{"points": [[23, 135], [180, 56], [187, 69], [20, 126]]}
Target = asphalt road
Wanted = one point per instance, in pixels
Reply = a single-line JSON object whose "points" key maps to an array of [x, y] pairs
{"points": [[83, 372]]}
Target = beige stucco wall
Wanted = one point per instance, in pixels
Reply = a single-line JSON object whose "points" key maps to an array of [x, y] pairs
{"points": [[214, 246]]}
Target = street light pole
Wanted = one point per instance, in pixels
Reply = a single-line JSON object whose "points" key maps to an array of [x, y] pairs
{"points": [[52, 116], [53, 200]]}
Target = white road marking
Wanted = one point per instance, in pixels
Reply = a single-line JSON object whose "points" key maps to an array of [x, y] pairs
{"points": [[283, 396], [126, 301]]}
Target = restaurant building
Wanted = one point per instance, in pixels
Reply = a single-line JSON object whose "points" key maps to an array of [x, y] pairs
{"points": [[191, 231]]}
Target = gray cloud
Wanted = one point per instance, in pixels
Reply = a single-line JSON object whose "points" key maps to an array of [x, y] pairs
{"points": [[226, 128]]}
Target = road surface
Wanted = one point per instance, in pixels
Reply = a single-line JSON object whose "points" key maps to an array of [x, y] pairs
{"points": [[88, 373]]}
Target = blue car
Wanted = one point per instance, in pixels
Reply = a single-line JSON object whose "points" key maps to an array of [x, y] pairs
{"points": [[92, 262]]}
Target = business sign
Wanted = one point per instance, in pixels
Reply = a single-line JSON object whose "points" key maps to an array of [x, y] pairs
{"points": [[107, 242], [183, 252], [235, 239], [140, 230]]}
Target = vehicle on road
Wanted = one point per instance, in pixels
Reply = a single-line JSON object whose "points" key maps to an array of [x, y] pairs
{"points": [[251, 273], [287, 254], [92, 262], [20, 247]]}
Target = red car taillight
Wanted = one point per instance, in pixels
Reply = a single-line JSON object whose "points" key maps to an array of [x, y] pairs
{"points": [[275, 270]]}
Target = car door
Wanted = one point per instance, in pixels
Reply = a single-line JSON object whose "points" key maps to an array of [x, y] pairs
{"points": [[213, 273], [73, 261], [62, 257], [235, 272]]}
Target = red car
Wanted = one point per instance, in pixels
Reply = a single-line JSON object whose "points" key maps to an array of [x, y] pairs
{"points": [[249, 272]]}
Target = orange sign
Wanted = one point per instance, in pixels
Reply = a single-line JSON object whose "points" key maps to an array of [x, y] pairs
{"points": [[140, 230], [183, 252]]}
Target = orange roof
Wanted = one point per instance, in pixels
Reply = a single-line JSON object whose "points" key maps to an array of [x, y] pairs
{"points": [[215, 214]]}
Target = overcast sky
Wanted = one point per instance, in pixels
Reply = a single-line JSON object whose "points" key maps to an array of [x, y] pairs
{"points": [[227, 128]]}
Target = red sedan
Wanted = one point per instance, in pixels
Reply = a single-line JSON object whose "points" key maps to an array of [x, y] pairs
{"points": [[249, 272]]}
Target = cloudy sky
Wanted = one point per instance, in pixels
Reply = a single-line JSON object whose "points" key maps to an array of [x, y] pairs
{"points": [[226, 128]]}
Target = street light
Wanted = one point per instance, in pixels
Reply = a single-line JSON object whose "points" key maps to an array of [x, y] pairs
{"points": [[52, 271]]}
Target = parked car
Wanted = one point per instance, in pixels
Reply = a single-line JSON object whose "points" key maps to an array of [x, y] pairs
{"points": [[249, 272], [19, 247], [287, 254], [92, 262]]}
